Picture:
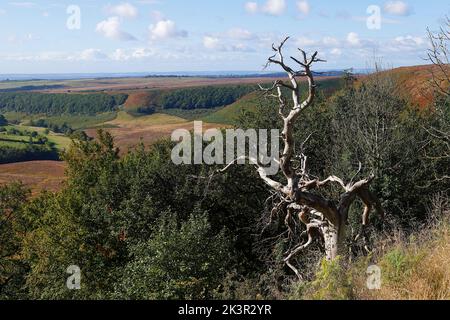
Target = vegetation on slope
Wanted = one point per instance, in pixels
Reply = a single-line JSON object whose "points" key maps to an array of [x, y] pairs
{"points": [[249, 103], [20, 144], [57, 104], [413, 267]]}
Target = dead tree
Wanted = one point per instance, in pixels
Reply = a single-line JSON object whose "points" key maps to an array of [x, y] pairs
{"points": [[299, 194]]}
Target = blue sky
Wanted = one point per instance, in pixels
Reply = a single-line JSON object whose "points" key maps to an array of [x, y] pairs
{"points": [[202, 35]]}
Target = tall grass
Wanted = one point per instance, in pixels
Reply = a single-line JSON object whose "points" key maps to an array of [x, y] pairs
{"points": [[413, 267]]}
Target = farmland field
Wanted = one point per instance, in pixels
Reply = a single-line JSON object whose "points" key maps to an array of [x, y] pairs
{"points": [[126, 84], [36, 175]]}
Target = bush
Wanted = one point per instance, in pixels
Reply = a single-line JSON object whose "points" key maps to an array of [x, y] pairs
{"points": [[178, 262], [3, 121], [332, 282]]}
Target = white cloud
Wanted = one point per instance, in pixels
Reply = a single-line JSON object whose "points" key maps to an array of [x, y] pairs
{"points": [[2, 12], [149, 1], [13, 39], [240, 34], [124, 10], [23, 4], [85, 55], [211, 43], [410, 40], [141, 53], [125, 55], [270, 7], [31, 36], [21, 39], [398, 8], [157, 15], [92, 55], [353, 39], [110, 28], [408, 44], [119, 55], [274, 7], [224, 44], [303, 6], [336, 52], [165, 29], [251, 7], [304, 42], [240, 47], [330, 41]]}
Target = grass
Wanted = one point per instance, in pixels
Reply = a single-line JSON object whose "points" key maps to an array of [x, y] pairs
{"points": [[190, 115], [76, 122], [61, 142], [230, 114], [416, 268], [124, 118]]}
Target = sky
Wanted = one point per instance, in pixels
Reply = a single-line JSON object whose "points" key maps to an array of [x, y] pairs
{"points": [[96, 36]]}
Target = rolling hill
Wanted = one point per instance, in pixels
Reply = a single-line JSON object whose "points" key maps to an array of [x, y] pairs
{"points": [[414, 83]]}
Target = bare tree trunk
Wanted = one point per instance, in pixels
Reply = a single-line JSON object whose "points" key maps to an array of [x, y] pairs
{"points": [[333, 242], [301, 195]]}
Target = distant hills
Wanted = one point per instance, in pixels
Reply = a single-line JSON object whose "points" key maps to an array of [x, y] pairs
{"points": [[203, 74]]}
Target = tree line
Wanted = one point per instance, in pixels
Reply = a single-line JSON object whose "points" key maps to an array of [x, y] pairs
{"points": [[204, 97], [57, 104]]}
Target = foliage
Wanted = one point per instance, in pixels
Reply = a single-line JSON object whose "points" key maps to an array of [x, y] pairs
{"points": [[42, 123], [57, 104], [201, 260], [204, 97], [109, 214], [23, 145], [332, 282], [3, 121], [12, 226]]}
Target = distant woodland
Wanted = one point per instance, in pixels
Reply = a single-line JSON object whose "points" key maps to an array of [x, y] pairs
{"points": [[57, 104]]}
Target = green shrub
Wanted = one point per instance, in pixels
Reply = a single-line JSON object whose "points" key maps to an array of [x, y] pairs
{"points": [[332, 282], [178, 262]]}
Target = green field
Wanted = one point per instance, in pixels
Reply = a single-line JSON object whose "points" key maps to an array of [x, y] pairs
{"points": [[191, 115], [124, 118], [230, 114], [80, 122], [76, 122], [20, 141]]}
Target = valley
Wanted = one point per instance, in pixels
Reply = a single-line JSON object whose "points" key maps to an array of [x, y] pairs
{"points": [[150, 109]]}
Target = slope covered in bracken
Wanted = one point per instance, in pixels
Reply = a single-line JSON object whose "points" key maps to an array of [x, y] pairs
{"points": [[414, 83]]}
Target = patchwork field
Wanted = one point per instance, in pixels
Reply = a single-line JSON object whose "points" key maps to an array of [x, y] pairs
{"points": [[124, 84]]}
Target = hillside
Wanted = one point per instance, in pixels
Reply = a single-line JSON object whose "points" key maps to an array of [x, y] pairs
{"points": [[128, 130], [230, 113], [414, 83]]}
